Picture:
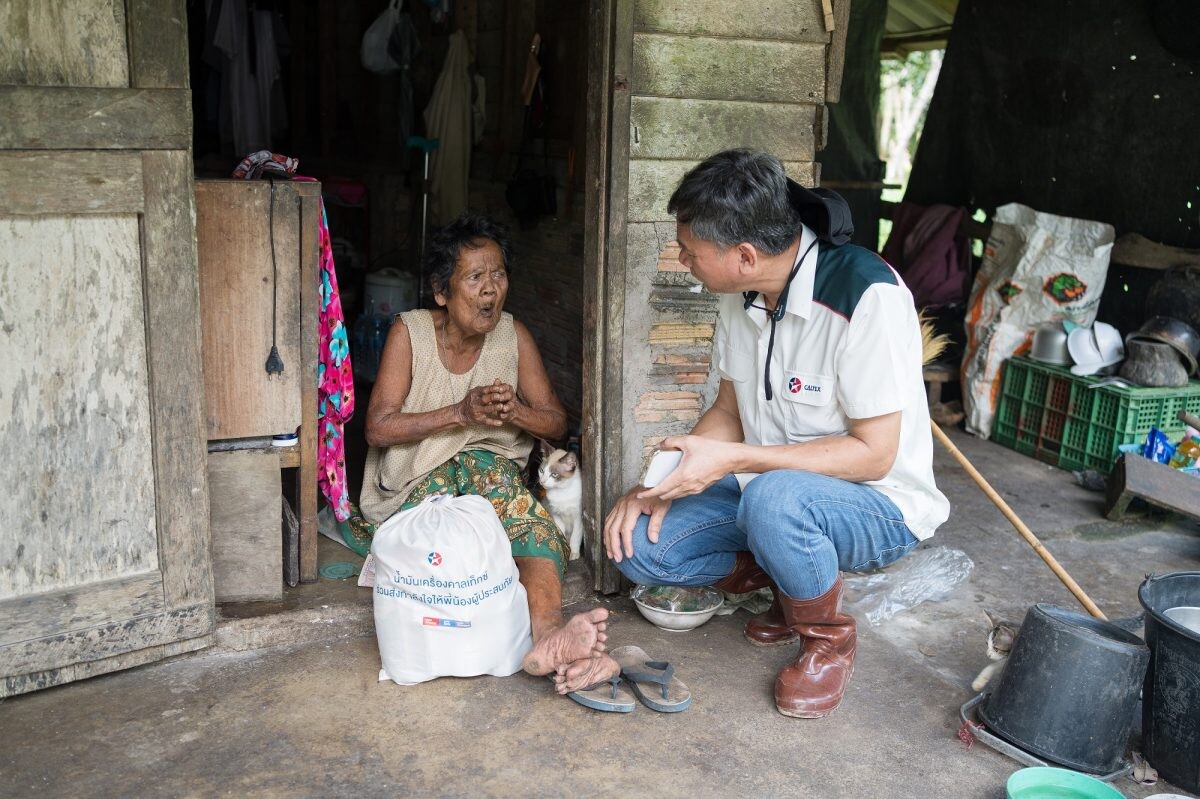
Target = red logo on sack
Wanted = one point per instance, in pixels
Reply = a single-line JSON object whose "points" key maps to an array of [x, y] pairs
{"points": [[795, 386], [435, 558]]}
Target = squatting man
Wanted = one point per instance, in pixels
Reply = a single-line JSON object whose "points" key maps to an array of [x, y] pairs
{"points": [[816, 456]]}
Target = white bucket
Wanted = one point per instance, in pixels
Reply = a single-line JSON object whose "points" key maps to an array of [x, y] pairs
{"points": [[390, 291]]}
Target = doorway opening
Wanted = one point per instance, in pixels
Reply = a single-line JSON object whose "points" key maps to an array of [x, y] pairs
{"points": [[289, 77]]}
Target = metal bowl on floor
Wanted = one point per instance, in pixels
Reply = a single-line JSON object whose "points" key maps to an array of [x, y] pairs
{"points": [[677, 608]]}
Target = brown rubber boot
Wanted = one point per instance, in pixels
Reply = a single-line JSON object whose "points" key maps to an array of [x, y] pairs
{"points": [[747, 575], [813, 686], [770, 628]]}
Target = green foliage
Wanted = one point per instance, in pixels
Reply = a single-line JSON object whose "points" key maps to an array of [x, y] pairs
{"points": [[906, 87]]}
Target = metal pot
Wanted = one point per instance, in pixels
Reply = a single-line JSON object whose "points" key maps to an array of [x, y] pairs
{"points": [[1175, 332], [1153, 363], [1176, 295]]}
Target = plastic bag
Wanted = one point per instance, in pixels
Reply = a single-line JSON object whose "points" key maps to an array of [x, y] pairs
{"points": [[1037, 268], [1158, 447], [927, 575], [753, 602], [448, 599], [374, 50], [677, 599]]}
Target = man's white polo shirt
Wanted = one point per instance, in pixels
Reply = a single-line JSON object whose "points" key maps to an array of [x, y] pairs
{"points": [[847, 347]]}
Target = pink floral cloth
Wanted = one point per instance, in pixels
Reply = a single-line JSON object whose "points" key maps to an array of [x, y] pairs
{"points": [[336, 385]]}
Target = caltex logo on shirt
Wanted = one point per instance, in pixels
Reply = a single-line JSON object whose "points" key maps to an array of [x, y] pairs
{"points": [[795, 386], [435, 558]]}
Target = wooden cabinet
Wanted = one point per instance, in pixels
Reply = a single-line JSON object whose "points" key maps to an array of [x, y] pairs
{"points": [[246, 300]]}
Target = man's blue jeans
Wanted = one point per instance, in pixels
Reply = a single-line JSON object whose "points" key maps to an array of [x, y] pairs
{"points": [[802, 528]]}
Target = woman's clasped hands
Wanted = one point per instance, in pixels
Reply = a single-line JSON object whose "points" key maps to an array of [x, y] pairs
{"points": [[492, 405]]}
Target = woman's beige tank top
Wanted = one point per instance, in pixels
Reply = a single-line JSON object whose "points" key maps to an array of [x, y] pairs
{"points": [[392, 472]]}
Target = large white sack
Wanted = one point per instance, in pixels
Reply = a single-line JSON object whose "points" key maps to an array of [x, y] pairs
{"points": [[448, 599], [1037, 268]]}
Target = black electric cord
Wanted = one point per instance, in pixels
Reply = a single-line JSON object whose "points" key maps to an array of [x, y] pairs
{"points": [[776, 314], [274, 364]]}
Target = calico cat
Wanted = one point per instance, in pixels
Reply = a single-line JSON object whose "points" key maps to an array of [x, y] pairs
{"points": [[999, 645], [559, 476]]}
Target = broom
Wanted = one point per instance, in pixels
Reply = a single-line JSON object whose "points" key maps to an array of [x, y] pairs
{"points": [[932, 345]]}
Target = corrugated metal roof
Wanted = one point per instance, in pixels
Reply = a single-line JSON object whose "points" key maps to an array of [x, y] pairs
{"points": [[917, 25]]}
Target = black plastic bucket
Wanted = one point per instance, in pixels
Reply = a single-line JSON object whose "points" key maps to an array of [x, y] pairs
{"points": [[1068, 691], [1171, 698]]}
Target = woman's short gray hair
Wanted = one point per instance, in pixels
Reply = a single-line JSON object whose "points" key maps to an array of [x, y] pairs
{"points": [[737, 196]]}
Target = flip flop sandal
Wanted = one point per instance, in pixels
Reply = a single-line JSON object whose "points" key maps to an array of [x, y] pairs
{"points": [[663, 692], [605, 696]]}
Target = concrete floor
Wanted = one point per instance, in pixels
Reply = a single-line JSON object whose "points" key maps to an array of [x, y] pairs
{"points": [[310, 719]]}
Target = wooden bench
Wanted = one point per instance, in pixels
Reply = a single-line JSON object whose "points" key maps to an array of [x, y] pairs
{"points": [[1157, 484], [937, 374]]}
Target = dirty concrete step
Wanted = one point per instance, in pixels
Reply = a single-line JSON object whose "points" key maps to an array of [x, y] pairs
{"points": [[329, 610]]}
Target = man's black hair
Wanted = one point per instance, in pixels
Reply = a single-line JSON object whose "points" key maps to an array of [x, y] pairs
{"points": [[738, 196]]}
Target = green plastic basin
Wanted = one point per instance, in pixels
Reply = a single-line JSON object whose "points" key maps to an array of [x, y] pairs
{"points": [[1042, 782]]}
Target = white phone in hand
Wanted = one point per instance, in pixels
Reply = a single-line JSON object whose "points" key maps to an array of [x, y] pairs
{"points": [[661, 465]]}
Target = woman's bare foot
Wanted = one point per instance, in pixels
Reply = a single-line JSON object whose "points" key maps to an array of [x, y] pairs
{"points": [[581, 637], [585, 672]]}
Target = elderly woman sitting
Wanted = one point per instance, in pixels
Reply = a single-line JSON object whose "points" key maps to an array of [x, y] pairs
{"points": [[461, 395]]}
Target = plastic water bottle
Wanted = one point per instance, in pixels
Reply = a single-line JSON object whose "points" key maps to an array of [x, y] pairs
{"points": [[1186, 454]]}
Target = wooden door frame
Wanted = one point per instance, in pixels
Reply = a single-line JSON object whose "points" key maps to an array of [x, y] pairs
{"points": [[610, 25], [67, 634]]}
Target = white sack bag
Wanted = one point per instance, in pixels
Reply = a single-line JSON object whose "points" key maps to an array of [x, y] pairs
{"points": [[448, 598], [1037, 268]]}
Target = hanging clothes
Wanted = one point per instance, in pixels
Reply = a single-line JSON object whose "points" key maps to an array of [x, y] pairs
{"points": [[448, 119], [335, 382], [479, 108], [930, 251], [403, 46], [244, 48]]}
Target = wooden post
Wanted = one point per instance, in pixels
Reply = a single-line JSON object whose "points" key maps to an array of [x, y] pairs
{"points": [[306, 489]]}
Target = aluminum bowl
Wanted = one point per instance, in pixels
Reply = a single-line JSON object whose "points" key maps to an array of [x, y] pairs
{"points": [[1179, 334], [1050, 345], [657, 604]]}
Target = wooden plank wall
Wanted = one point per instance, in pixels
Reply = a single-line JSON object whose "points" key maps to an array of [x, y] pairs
{"points": [[703, 82], [107, 511], [245, 520], [237, 286], [65, 43], [74, 405], [690, 78]]}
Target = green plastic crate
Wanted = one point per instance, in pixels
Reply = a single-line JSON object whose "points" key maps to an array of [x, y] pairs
{"points": [[1048, 413]]}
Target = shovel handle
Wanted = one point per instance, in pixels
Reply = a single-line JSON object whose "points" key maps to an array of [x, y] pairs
{"points": [[1016, 522], [1190, 419]]}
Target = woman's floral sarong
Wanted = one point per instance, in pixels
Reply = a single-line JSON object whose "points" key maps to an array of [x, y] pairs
{"points": [[532, 532]]}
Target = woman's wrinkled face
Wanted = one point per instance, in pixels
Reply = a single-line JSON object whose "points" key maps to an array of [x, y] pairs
{"points": [[477, 288]]}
